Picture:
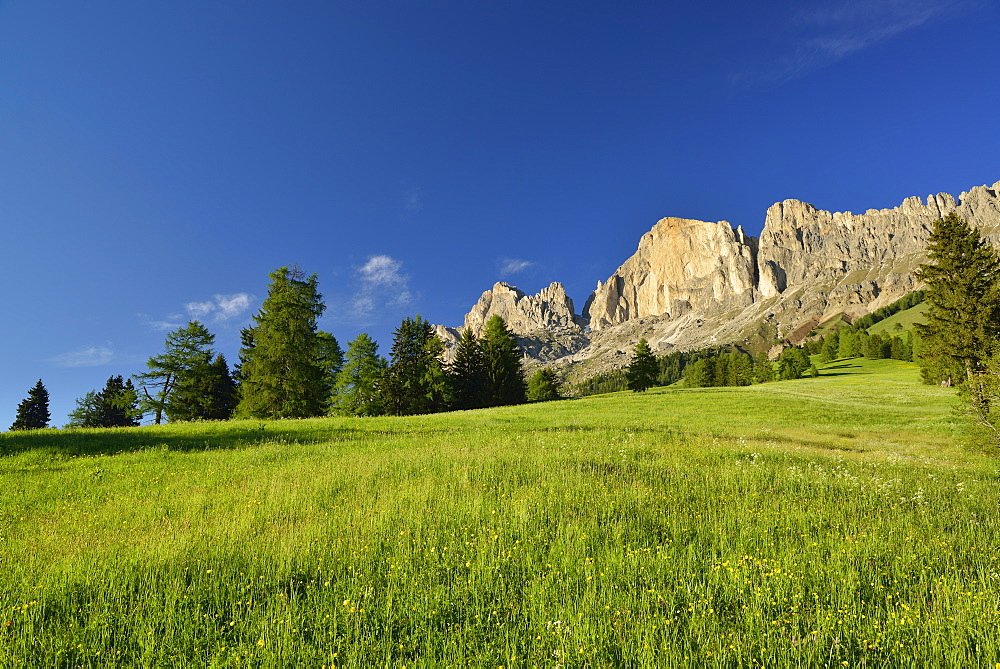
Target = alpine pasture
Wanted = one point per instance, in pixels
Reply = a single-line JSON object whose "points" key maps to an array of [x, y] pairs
{"points": [[831, 521]]}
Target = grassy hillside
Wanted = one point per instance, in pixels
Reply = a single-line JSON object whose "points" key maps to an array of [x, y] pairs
{"points": [[904, 319], [821, 521]]}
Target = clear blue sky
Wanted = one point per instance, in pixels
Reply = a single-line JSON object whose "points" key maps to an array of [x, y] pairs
{"points": [[158, 159]]}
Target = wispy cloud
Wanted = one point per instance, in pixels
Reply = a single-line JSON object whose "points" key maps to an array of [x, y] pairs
{"points": [[91, 356], [820, 36], [412, 201], [510, 266], [382, 283], [220, 308]]}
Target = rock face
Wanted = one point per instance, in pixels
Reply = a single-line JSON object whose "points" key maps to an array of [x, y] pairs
{"points": [[681, 266], [546, 323], [550, 308], [692, 284]]}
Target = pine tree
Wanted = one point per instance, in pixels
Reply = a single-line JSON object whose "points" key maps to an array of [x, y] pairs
{"points": [[763, 369], [359, 384], [33, 412], [544, 385], [963, 302], [467, 373], [282, 372], [187, 354], [415, 382], [502, 358]]}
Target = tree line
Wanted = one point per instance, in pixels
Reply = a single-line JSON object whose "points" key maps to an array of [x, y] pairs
{"points": [[289, 368]]}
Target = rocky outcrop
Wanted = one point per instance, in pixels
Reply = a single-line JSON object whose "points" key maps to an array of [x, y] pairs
{"points": [[692, 283], [550, 308], [546, 323], [681, 266], [801, 245]]}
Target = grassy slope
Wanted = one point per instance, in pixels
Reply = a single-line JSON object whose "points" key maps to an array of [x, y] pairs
{"points": [[905, 319], [819, 521]]}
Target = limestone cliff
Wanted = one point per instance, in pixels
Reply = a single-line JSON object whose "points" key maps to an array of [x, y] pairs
{"points": [[681, 266], [546, 323], [694, 283]]}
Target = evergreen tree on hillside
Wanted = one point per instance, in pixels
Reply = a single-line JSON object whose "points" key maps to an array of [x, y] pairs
{"points": [[208, 393], [502, 358], [331, 360], [415, 382], [963, 302], [544, 385], [33, 411], [187, 353], [643, 370], [282, 373], [116, 405], [467, 373], [358, 390]]}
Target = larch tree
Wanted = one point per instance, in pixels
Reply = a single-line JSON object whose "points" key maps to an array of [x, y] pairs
{"points": [[33, 411], [281, 370], [187, 353]]}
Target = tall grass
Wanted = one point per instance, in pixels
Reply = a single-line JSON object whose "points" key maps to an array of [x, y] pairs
{"points": [[823, 521]]}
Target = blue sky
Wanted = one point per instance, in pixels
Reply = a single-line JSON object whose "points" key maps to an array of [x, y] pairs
{"points": [[158, 159]]}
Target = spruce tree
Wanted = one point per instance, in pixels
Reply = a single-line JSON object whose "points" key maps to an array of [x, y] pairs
{"points": [[33, 411], [467, 373], [502, 358], [544, 385], [963, 302], [207, 393], [282, 372], [187, 353], [116, 405], [415, 382], [643, 370], [358, 388], [331, 360]]}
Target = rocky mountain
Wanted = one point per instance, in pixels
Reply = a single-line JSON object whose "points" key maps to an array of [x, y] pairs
{"points": [[547, 325], [694, 283]]}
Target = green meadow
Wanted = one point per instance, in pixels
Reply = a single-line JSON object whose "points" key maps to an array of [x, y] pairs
{"points": [[835, 521]]}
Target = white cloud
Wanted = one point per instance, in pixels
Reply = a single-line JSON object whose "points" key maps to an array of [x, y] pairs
{"points": [[92, 356], [199, 309], [381, 283], [231, 306], [221, 307], [824, 35], [513, 266]]}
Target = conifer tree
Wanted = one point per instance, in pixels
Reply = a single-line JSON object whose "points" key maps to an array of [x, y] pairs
{"points": [[116, 405], [467, 373], [359, 384], [763, 369], [642, 371], [331, 360], [207, 393], [33, 411], [281, 372], [187, 353], [415, 381], [963, 302], [544, 385], [502, 358]]}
